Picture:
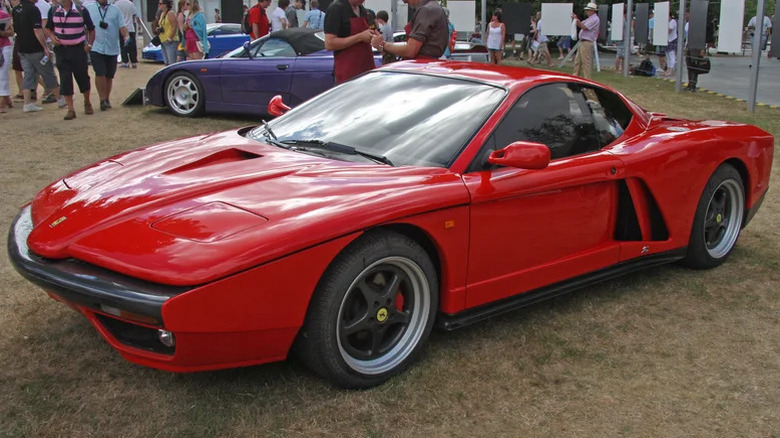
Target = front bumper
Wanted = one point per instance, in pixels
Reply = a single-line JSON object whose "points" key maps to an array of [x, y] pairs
{"points": [[84, 284], [153, 91], [128, 312]]}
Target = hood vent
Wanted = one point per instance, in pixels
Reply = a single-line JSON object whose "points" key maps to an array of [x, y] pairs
{"points": [[221, 157]]}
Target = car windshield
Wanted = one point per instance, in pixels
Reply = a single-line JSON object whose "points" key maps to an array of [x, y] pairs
{"points": [[408, 119]]}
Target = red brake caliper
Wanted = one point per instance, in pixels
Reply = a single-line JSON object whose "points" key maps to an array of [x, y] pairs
{"points": [[399, 300]]}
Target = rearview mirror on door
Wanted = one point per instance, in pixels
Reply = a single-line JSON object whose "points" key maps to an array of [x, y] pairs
{"points": [[276, 106], [522, 155]]}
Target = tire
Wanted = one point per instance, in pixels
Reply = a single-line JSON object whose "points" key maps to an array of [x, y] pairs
{"points": [[718, 219], [372, 312], [184, 94]]}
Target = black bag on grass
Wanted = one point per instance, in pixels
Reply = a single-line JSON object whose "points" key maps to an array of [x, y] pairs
{"points": [[645, 68]]}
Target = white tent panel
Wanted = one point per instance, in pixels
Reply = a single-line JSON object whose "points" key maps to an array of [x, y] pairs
{"points": [[617, 21], [402, 16], [556, 18], [462, 15], [378, 5], [661, 30], [207, 7], [730, 25]]}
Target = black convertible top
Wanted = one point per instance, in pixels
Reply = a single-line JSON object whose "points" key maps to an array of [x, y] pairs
{"points": [[303, 40]]}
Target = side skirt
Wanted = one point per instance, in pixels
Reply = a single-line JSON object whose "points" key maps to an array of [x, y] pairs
{"points": [[455, 321]]}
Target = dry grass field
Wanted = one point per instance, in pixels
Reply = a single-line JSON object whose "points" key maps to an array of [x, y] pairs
{"points": [[667, 352]]}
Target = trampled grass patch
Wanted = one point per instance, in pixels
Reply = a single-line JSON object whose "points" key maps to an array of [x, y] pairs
{"points": [[663, 352]]}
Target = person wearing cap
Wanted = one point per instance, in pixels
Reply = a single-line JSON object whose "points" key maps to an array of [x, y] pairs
{"points": [[428, 34], [589, 31]]}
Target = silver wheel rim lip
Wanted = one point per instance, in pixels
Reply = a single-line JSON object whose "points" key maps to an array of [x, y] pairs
{"points": [[413, 332], [736, 202], [183, 95]]}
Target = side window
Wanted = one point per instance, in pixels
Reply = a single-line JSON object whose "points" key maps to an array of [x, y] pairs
{"points": [[555, 115], [275, 47], [229, 30], [610, 115]]}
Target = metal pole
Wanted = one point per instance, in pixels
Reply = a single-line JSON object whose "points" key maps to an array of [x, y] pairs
{"points": [[628, 19], [483, 22], [394, 15], [680, 46], [756, 56]]}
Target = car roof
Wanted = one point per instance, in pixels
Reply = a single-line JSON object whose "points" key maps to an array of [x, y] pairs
{"points": [[505, 76], [303, 40], [519, 79]]}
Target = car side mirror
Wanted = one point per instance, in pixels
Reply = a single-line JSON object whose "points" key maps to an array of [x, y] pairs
{"points": [[522, 155], [247, 50], [276, 106]]}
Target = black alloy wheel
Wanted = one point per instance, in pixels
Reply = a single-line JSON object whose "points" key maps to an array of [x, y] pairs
{"points": [[718, 219], [372, 312]]}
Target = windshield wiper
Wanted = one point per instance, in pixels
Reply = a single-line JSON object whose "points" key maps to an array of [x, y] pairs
{"points": [[268, 129], [339, 148], [270, 137]]}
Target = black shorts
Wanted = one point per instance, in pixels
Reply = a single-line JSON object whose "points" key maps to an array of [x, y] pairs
{"points": [[104, 65], [16, 63]]}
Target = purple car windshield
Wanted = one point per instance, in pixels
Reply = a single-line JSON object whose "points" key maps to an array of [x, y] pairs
{"points": [[409, 119]]}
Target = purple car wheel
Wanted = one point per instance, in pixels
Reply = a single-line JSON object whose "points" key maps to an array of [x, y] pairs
{"points": [[184, 94]]}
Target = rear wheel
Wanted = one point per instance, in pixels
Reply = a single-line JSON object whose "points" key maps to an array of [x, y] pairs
{"points": [[718, 219], [184, 94], [372, 312]]}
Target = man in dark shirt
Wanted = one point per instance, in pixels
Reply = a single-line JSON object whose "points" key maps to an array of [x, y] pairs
{"points": [[348, 36], [428, 37], [292, 12], [32, 50]]}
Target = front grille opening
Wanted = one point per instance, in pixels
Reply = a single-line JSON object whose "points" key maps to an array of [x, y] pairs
{"points": [[134, 335]]}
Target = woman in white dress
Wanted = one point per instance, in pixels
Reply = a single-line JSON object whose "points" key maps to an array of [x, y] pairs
{"points": [[496, 36]]}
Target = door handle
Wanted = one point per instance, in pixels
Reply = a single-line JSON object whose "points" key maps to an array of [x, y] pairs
{"points": [[282, 66]]}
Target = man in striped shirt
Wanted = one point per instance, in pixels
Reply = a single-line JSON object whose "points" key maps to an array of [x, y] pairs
{"points": [[72, 32]]}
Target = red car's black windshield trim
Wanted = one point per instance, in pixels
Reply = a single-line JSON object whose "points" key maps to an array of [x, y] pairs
{"points": [[82, 283]]}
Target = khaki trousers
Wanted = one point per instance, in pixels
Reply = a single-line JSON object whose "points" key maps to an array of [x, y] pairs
{"points": [[583, 59]]}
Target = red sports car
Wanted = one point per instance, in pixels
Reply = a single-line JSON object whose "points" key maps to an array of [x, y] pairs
{"points": [[418, 194]]}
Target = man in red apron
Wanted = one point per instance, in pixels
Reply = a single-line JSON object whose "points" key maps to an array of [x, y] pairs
{"points": [[348, 36], [427, 33]]}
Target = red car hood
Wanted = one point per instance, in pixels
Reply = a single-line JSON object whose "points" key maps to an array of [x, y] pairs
{"points": [[194, 210]]}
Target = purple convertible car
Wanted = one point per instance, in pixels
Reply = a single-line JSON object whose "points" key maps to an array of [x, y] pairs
{"points": [[291, 62]]}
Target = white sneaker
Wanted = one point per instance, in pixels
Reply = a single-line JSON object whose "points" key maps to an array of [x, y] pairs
{"points": [[31, 108], [61, 102]]}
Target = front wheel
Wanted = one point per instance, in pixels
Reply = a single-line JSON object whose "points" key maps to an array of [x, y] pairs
{"points": [[372, 312], [718, 219], [184, 95]]}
